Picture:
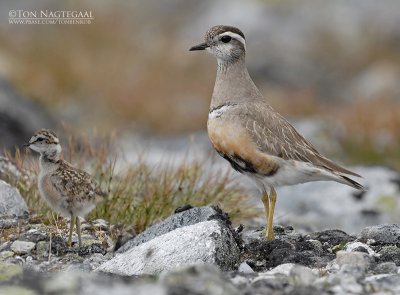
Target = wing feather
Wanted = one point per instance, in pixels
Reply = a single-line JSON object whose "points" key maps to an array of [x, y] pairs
{"points": [[275, 136]]}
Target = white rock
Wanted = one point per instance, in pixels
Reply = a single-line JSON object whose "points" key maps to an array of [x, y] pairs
{"points": [[22, 247], [245, 268], [204, 242], [282, 269], [352, 246]]}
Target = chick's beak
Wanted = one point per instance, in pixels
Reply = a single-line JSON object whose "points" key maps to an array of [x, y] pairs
{"points": [[201, 46], [26, 145]]}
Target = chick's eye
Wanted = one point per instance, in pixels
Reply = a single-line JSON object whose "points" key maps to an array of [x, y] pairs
{"points": [[39, 139], [226, 39]]}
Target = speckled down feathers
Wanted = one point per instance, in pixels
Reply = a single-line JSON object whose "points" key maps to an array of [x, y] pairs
{"points": [[73, 183]]}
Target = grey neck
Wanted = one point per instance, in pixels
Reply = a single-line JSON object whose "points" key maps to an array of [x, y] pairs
{"points": [[233, 84]]}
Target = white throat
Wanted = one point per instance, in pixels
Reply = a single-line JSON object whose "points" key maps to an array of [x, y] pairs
{"points": [[219, 111]]}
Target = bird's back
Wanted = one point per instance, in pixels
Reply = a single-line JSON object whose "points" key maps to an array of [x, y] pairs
{"points": [[71, 190]]}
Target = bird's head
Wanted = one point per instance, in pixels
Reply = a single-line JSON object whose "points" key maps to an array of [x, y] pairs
{"points": [[45, 142], [226, 43]]}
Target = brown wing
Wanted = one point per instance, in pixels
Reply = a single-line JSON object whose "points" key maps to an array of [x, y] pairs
{"points": [[274, 135], [73, 182]]}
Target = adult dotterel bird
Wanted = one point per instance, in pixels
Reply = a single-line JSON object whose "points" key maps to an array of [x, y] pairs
{"points": [[255, 139], [66, 189]]}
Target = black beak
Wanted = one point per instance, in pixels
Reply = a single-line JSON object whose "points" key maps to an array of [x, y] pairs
{"points": [[201, 46], [26, 145]]}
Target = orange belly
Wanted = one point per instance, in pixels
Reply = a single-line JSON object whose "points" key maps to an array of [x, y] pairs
{"points": [[232, 139]]}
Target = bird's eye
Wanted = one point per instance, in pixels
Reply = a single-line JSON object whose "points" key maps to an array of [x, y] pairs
{"points": [[39, 139], [226, 39]]}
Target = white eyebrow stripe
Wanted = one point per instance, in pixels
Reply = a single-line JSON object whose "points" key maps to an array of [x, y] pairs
{"points": [[235, 36]]}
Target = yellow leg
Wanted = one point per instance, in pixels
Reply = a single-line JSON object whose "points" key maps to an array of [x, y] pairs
{"points": [[71, 228], [270, 227], [265, 201], [78, 231]]}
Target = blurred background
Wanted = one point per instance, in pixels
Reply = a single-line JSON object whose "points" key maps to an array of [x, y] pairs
{"points": [[331, 67]]}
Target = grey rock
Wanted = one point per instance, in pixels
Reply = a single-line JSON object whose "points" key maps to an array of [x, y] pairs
{"points": [[344, 281], [356, 272], [301, 275], [16, 290], [359, 259], [382, 234], [386, 268], [42, 248], [185, 218], [198, 280], [22, 247], [384, 282], [11, 202], [79, 282], [6, 254], [266, 283], [9, 271], [204, 242]]}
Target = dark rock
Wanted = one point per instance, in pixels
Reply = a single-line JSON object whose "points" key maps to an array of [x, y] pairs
{"points": [[185, 218], [183, 208], [91, 249], [34, 236], [390, 254], [58, 246], [381, 234], [19, 117], [122, 240], [360, 249], [287, 248], [333, 237]]}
